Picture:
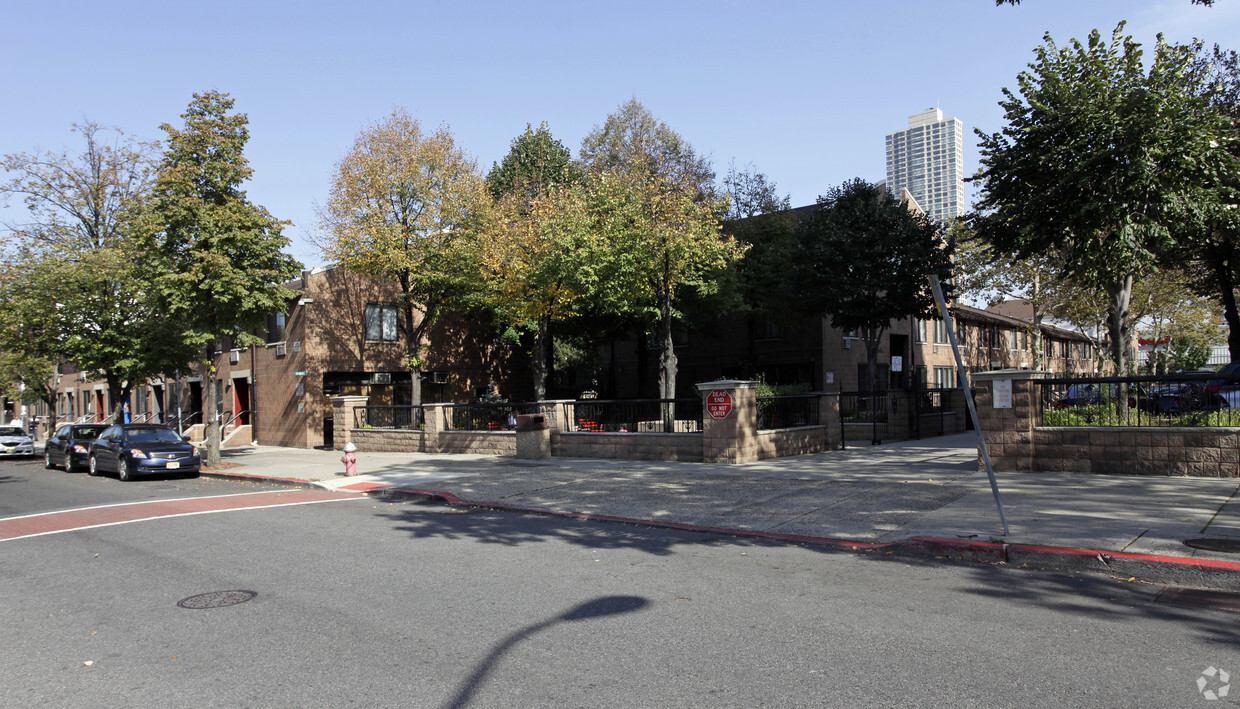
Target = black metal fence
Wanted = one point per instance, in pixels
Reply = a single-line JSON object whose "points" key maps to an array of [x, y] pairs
{"points": [[933, 409], [500, 416], [871, 409], [795, 411], [407, 417], [1180, 400], [633, 415]]}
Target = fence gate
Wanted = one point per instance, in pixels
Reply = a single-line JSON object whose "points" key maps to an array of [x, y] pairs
{"points": [[864, 416]]}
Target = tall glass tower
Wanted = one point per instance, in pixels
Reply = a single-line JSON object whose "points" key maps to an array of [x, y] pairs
{"points": [[927, 159]]}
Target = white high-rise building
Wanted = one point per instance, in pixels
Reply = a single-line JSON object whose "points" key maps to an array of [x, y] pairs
{"points": [[927, 159]]}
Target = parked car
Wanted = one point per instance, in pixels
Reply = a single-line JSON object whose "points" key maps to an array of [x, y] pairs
{"points": [[134, 449], [15, 442], [69, 446]]}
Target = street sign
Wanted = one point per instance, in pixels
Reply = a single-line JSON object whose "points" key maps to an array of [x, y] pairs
{"points": [[719, 404], [299, 373]]}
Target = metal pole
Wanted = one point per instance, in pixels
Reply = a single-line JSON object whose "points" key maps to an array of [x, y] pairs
{"points": [[962, 379]]}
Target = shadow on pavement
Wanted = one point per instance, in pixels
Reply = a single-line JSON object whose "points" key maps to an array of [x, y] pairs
{"points": [[1115, 600]]}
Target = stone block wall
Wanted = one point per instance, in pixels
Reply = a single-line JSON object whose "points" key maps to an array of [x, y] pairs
{"points": [[1017, 443]]}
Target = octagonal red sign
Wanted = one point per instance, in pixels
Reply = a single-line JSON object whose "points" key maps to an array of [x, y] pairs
{"points": [[719, 404]]}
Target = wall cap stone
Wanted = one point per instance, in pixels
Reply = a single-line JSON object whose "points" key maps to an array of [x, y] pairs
{"points": [[728, 384], [993, 374]]}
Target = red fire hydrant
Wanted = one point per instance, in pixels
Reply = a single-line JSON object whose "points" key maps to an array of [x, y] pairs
{"points": [[350, 459]]}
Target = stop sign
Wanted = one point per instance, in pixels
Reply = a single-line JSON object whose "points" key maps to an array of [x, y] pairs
{"points": [[719, 404]]}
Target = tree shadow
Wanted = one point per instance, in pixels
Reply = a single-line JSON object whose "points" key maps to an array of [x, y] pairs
{"points": [[597, 608], [1088, 594]]}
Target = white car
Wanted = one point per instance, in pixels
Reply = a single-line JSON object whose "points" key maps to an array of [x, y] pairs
{"points": [[15, 442]]}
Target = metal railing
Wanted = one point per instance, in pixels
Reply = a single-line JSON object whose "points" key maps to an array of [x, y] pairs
{"points": [[871, 408], [933, 406], [499, 416], [633, 416], [794, 411], [1180, 400], [400, 417]]}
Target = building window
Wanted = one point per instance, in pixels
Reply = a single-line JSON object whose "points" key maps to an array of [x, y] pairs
{"points": [[276, 323], [944, 377], [1014, 336], [940, 333], [921, 331], [381, 322]]}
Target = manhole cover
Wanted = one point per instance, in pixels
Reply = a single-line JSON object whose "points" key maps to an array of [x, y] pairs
{"points": [[1229, 546], [217, 599]]}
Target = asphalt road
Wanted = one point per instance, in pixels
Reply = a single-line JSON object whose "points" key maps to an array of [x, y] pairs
{"points": [[367, 602]]}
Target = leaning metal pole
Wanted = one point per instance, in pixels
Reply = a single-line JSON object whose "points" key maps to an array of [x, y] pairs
{"points": [[962, 379]]}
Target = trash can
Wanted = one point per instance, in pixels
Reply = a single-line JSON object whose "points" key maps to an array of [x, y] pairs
{"points": [[533, 437]]}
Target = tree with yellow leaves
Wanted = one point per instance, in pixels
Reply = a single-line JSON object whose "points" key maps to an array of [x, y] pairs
{"points": [[408, 206]]}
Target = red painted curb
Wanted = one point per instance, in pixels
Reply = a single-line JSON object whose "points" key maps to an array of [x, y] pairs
{"points": [[938, 546]]}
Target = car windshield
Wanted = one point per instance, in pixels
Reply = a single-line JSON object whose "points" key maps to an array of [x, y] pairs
{"points": [[154, 435], [11, 431], [88, 432]]}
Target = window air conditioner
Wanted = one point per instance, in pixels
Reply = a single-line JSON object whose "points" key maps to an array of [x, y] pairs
{"points": [[847, 344], [439, 377], [234, 357], [381, 378], [281, 350]]}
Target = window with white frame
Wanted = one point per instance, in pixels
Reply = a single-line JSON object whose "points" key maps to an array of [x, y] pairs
{"points": [[381, 322]]}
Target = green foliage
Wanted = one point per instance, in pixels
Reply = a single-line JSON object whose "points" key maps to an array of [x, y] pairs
{"points": [[535, 162], [216, 259], [69, 290], [409, 206], [1098, 160], [653, 199]]}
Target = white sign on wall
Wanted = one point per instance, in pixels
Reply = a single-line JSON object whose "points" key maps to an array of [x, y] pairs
{"points": [[897, 363], [1003, 394]]}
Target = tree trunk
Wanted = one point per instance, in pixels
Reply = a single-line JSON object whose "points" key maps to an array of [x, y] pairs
{"points": [[1227, 292], [541, 356], [213, 420], [1118, 326], [667, 362]]}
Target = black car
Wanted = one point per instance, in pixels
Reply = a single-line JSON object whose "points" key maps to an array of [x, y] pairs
{"points": [[69, 446], [134, 449]]}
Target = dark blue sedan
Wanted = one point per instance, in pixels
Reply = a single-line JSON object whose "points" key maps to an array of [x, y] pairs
{"points": [[134, 449]]}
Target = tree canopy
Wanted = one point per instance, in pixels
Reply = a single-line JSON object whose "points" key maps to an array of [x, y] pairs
{"points": [[654, 196], [864, 259], [1098, 160], [69, 290], [409, 205], [215, 260]]}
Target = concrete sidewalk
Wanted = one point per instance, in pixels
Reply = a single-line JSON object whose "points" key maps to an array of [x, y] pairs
{"points": [[920, 497]]}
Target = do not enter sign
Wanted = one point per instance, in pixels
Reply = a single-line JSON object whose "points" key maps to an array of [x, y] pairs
{"points": [[719, 404]]}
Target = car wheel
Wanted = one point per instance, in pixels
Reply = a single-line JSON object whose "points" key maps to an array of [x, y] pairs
{"points": [[93, 466], [122, 471], [47, 459]]}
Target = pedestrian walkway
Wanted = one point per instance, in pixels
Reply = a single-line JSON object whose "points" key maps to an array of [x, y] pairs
{"points": [[923, 497]]}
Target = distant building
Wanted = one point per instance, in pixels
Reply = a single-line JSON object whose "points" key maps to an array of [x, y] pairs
{"points": [[927, 159]]}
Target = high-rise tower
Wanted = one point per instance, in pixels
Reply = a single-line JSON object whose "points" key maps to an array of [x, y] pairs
{"points": [[927, 159]]}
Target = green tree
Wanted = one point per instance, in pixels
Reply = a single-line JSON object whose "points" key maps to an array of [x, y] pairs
{"points": [[409, 206], [1209, 251], [215, 259], [69, 291], [540, 261], [655, 198], [864, 258], [1097, 161], [535, 162]]}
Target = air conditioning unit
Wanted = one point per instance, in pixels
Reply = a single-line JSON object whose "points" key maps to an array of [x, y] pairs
{"points": [[381, 378], [847, 343], [234, 357], [281, 350], [297, 345], [437, 377]]}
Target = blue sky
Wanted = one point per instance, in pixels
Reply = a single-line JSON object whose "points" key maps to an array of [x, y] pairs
{"points": [[805, 91]]}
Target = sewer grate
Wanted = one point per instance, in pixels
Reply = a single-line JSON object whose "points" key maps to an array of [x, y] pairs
{"points": [[1199, 597], [1227, 546], [217, 599]]}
